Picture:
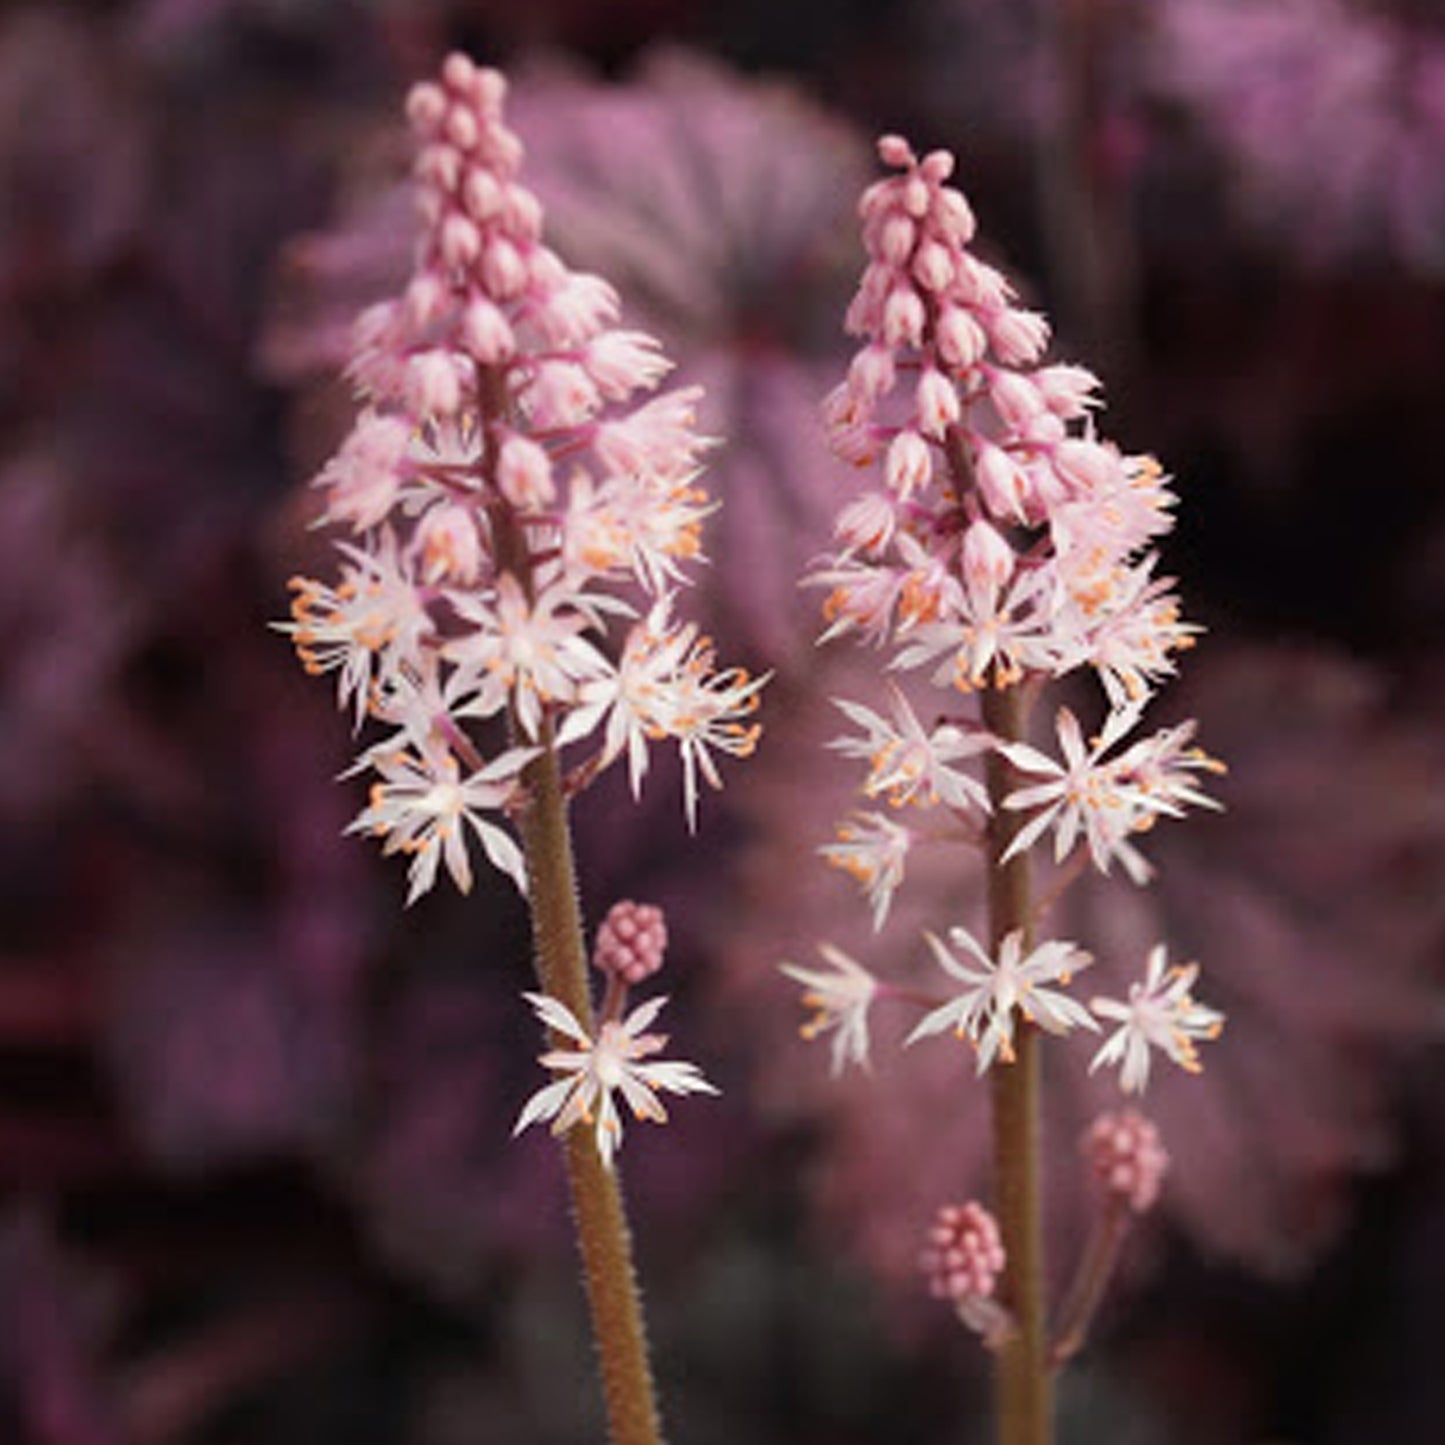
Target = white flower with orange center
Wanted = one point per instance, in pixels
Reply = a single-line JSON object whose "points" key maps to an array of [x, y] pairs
{"points": [[841, 997], [1158, 1014], [1001, 990], [597, 1069], [908, 764], [872, 849], [423, 806]]}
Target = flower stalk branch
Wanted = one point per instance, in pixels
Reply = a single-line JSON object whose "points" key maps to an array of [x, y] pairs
{"points": [[1096, 1269]]}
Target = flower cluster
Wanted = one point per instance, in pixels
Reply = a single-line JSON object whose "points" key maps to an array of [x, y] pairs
{"points": [[1000, 543], [964, 1255], [631, 942], [1126, 1157], [520, 524], [962, 1262], [1006, 538], [591, 1067]]}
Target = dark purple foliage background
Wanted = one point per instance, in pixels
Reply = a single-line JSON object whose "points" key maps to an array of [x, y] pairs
{"points": [[256, 1185]]}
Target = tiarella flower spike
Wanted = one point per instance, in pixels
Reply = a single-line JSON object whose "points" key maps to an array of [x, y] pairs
{"points": [[999, 544], [519, 522]]}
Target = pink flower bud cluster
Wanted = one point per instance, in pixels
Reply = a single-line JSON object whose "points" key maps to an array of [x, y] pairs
{"points": [[510, 502], [1006, 536], [631, 942], [964, 1255], [1127, 1158]]}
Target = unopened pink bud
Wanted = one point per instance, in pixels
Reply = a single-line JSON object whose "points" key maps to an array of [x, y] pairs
{"points": [[915, 197], [546, 271], [933, 267], [481, 194], [955, 216], [1087, 466], [425, 297], [937, 166], [439, 165], [487, 333], [1015, 397], [502, 149], [868, 523], [895, 239], [871, 373], [988, 560], [938, 404], [961, 341], [458, 73], [489, 89], [432, 385], [504, 272], [524, 474], [426, 104], [893, 150], [1002, 481], [631, 942], [1127, 1158], [461, 242], [461, 128], [1067, 390], [964, 1255], [522, 211], [447, 545], [1019, 337], [909, 464], [903, 317]]}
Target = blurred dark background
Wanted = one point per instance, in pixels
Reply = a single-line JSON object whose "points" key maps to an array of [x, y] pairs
{"points": [[256, 1182]]}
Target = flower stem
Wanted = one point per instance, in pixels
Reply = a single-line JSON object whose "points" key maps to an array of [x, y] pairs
{"points": [[597, 1208], [1022, 1384], [560, 955], [1095, 1271]]}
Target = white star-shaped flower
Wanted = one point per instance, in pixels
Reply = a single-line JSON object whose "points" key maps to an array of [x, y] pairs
{"points": [[1159, 1014], [1000, 989], [597, 1069], [841, 995]]}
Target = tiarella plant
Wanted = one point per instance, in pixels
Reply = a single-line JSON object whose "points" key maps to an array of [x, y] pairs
{"points": [[517, 529], [1000, 545]]}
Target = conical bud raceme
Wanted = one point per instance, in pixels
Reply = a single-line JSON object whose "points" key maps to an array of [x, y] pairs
{"points": [[1000, 542], [513, 512]]}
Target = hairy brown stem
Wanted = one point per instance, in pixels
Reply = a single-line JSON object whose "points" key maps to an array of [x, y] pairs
{"points": [[597, 1207], [560, 955], [1023, 1388]]}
